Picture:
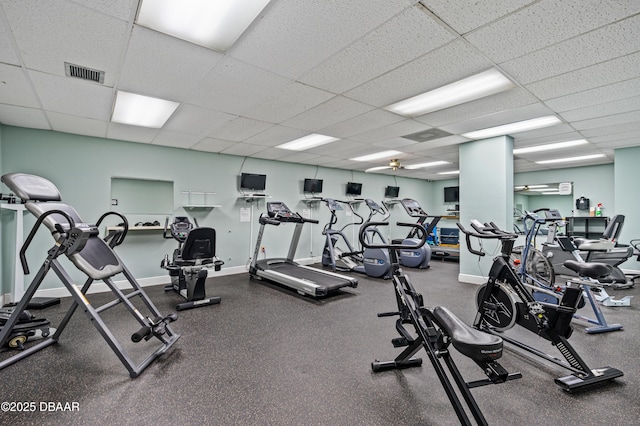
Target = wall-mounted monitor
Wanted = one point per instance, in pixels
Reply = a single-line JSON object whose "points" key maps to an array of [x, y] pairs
{"points": [[313, 185], [253, 181], [452, 194], [392, 191], [354, 188]]}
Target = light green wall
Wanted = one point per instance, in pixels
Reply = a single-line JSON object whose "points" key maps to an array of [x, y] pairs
{"points": [[82, 168], [593, 182], [626, 196]]}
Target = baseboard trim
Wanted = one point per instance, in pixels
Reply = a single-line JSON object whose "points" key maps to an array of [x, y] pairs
{"points": [[471, 279], [100, 287]]}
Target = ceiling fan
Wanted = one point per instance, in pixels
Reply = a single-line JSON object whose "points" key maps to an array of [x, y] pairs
{"points": [[395, 165]]}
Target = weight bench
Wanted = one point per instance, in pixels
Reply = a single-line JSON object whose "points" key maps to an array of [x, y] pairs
{"points": [[93, 256]]}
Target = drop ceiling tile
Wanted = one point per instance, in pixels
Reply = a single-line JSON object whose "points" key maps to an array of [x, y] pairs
{"points": [[635, 135], [452, 62], [276, 135], [464, 16], [395, 130], [610, 120], [612, 130], [15, 88], [342, 149], [298, 157], [604, 109], [340, 164], [362, 123], [502, 101], [296, 35], [406, 36], [239, 129], [77, 125], [195, 120], [560, 131], [499, 118], [165, 67], [437, 146], [125, 132], [212, 145], [545, 23], [331, 112], [546, 139], [243, 149], [175, 139], [399, 144], [596, 46], [318, 160], [271, 154], [598, 75], [623, 143], [18, 116], [50, 33], [234, 87], [121, 9], [73, 96], [291, 100], [7, 52], [597, 96]]}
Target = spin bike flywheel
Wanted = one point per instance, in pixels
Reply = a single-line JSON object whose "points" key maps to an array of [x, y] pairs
{"points": [[501, 312]]}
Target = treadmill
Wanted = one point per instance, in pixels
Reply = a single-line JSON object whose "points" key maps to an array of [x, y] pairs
{"points": [[413, 209], [285, 271]]}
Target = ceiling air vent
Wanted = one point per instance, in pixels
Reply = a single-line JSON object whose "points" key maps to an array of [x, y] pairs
{"points": [[77, 71], [427, 135]]}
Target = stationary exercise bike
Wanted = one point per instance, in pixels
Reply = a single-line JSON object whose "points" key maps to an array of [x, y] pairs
{"points": [[188, 268], [536, 272], [505, 301], [372, 262], [435, 331]]}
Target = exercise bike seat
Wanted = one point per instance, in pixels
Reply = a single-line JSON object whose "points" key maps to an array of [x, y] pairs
{"points": [[475, 344], [588, 269]]}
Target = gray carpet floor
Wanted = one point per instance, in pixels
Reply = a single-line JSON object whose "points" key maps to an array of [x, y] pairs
{"points": [[267, 356]]}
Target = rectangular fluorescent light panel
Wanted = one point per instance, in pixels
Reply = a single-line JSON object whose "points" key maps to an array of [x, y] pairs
{"points": [[569, 159], [475, 87], [307, 142], [550, 146], [376, 156], [144, 111], [452, 172], [213, 24], [520, 126], [423, 165]]}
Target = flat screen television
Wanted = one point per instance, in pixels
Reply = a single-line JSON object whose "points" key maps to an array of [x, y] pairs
{"points": [[452, 194], [253, 181], [313, 186], [354, 188], [392, 191]]}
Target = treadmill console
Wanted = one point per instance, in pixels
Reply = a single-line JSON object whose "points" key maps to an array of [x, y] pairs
{"points": [[413, 208], [279, 211]]}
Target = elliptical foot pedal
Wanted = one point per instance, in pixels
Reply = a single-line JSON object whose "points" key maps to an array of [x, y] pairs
{"points": [[572, 382]]}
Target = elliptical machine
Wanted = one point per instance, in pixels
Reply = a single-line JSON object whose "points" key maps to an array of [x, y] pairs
{"points": [[416, 257], [188, 268], [373, 262]]}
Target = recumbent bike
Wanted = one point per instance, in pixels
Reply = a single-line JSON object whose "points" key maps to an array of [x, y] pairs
{"points": [[188, 268]]}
